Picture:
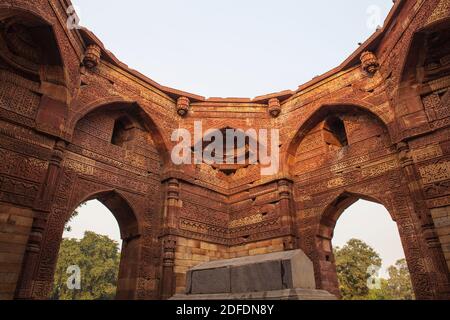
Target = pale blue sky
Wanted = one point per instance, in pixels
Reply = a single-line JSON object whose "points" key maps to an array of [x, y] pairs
{"points": [[239, 48], [230, 48]]}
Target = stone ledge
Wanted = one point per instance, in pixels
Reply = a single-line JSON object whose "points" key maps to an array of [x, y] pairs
{"points": [[287, 294]]}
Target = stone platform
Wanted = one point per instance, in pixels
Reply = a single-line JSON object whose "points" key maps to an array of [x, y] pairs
{"points": [[276, 276]]}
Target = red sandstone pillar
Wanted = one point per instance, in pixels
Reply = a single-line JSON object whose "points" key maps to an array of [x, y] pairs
{"points": [[285, 192], [168, 240], [42, 207], [438, 275], [168, 276]]}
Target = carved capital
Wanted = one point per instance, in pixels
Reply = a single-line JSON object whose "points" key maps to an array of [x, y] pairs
{"points": [[58, 152], [284, 189], [369, 62], [289, 243], [173, 188], [430, 235], [404, 154]]}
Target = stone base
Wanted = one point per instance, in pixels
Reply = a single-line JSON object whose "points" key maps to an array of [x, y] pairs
{"points": [[287, 294], [287, 275]]}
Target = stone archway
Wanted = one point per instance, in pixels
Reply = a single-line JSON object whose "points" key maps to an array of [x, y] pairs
{"points": [[332, 109], [368, 167], [423, 86], [30, 47], [132, 108], [130, 234], [325, 234], [125, 215], [82, 171]]}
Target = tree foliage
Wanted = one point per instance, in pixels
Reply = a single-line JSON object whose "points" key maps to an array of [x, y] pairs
{"points": [[98, 258], [352, 264], [397, 287]]}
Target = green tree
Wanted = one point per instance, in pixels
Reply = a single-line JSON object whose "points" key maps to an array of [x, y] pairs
{"points": [[400, 281], [352, 264], [98, 258], [381, 293], [397, 287]]}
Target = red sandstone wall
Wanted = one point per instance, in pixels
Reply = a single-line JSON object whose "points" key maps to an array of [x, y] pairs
{"points": [[56, 125]]}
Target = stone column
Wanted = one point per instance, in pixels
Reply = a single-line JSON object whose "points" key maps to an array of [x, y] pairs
{"points": [[41, 211], [168, 275], [437, 268], [172, 204], [168, 239], [286, 212]]}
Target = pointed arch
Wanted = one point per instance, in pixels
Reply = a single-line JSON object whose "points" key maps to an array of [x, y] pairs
{"points": [[414, 54], [144, 118], [336, 208], [326, 272], [327, 110], [424, 73], [130, 229], [120, 207], [19, 19]]}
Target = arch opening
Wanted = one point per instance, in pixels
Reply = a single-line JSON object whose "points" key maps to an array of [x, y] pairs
{"points": [[228, 150], [123, 132], [424, 81], [98, 252], [122, 124], [335, 133], [332, 133], [22, 35], [366, 262]]}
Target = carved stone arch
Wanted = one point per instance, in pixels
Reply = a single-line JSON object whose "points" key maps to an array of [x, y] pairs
{"points": [[415, 51], [327, 110], [424, 76], [325, 267], [336, 208], [31, 47], [414, 247], [23, 30], [143, 118], [130, 224], [127, 216]]}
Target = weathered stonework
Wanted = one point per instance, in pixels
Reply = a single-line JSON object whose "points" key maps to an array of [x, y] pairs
{"points": [[77, 124]]}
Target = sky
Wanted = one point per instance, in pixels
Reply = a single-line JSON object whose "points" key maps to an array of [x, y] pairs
{"points": [[239, 48], [232, 48]]}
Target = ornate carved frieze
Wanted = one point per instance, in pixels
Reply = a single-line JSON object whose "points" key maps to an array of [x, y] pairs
{"points": [[439, 171]]}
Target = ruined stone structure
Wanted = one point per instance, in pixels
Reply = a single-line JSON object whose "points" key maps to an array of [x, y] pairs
{"points": [[77, 124]]}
